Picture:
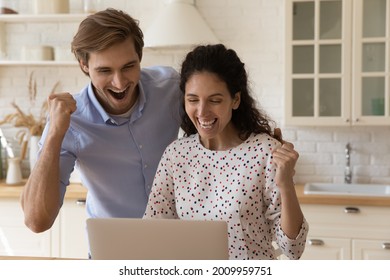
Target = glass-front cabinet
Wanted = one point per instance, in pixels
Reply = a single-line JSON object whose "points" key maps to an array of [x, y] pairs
{"points": [[337, 62]]}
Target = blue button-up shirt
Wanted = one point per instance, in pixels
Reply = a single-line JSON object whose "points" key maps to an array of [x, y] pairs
{"points": [[118, 157]]}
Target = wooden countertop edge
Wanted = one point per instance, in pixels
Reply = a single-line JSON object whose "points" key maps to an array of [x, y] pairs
{"points": [[339, 199], [75, 191], [34, 258], [78, 191]]}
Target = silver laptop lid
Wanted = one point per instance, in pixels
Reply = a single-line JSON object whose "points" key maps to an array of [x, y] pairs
{"points": [[159, 239]]}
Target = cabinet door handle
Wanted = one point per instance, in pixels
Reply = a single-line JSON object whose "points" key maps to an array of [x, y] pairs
{"points": [[315, 242], [352, 210], [80, 202], [386, 246]]}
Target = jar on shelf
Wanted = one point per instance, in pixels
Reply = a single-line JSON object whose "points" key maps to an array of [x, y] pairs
{"points": [[50, 7], [9, 6], [37, 53], [91, 6]]}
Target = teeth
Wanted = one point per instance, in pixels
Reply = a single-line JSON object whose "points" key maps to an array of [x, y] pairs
{"points": [[120, 91], [206, 124]]}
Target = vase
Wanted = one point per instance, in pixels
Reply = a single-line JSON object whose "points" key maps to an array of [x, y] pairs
{"points": [[50, 7], [33, 153], [14, 172]]}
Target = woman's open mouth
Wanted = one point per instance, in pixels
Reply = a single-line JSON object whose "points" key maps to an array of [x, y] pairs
{"points": [[207, 124]]}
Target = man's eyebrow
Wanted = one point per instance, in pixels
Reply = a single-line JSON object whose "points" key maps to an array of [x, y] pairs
{"points": [[131, 62], [101, 68]]}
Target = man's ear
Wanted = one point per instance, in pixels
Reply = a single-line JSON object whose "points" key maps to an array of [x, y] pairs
{"points": [[84, 66]]}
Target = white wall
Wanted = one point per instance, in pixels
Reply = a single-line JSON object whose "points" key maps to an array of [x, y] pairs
{"points": [[255, 29]]}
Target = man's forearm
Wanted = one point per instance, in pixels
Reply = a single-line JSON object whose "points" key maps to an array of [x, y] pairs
{"points": [[41, 195]]}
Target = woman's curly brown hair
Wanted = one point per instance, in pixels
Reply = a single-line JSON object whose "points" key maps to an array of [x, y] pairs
{"points": [[225, 63]]}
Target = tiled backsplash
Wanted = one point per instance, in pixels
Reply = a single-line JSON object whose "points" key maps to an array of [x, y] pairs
{"points": [[255, 29]]}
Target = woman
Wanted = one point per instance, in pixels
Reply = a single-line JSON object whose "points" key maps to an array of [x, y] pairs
{"points": [[228, 166]]}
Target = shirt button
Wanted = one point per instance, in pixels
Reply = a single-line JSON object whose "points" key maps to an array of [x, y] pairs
{"points": [[145, 166], [140, 146]]}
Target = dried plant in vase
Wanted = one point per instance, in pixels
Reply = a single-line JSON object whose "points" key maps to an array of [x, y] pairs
{"points": [[33, 125]]}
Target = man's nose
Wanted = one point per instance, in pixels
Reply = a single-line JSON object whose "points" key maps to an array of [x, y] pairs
{"points": [[119, 80]]}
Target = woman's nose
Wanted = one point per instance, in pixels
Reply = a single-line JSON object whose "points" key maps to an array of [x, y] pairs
{"points": [[202, 109]]}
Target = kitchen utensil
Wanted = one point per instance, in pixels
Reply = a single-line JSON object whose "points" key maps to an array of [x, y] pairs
{"points": [[6, 145]]}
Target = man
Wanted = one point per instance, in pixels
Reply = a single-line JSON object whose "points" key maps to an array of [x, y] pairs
{"points": [[115, 130]]}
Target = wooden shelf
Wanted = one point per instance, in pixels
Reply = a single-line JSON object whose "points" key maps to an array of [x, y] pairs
{"points": [[38, 63], [42, 17]]}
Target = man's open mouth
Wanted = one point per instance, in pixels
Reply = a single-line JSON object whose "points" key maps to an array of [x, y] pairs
{"points": [[118, 94]]}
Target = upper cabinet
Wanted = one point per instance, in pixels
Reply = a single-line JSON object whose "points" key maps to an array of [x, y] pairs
{"points": [[337, 62]]}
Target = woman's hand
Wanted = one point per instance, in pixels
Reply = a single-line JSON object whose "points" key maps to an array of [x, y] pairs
{"points": [[285, 159]]}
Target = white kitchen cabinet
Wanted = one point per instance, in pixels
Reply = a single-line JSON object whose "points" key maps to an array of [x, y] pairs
{"points": [[371, 249], [337, 62], [73, 234], [66, 238], [347, 232], [15, 238], [326, 248]]}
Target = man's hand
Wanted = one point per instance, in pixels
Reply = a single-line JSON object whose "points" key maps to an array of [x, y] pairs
{"points": [[61, 106]]}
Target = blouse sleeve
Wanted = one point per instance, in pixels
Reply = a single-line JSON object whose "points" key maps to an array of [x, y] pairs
{"points": [[161, 202], [292, 248]]}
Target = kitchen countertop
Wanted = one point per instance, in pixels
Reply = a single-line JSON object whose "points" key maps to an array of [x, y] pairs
{"points": [[78, 191], [75, 191], [34, 258], [340, 199]]}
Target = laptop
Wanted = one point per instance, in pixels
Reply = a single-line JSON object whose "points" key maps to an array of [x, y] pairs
{"points": [[157, 239]]}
